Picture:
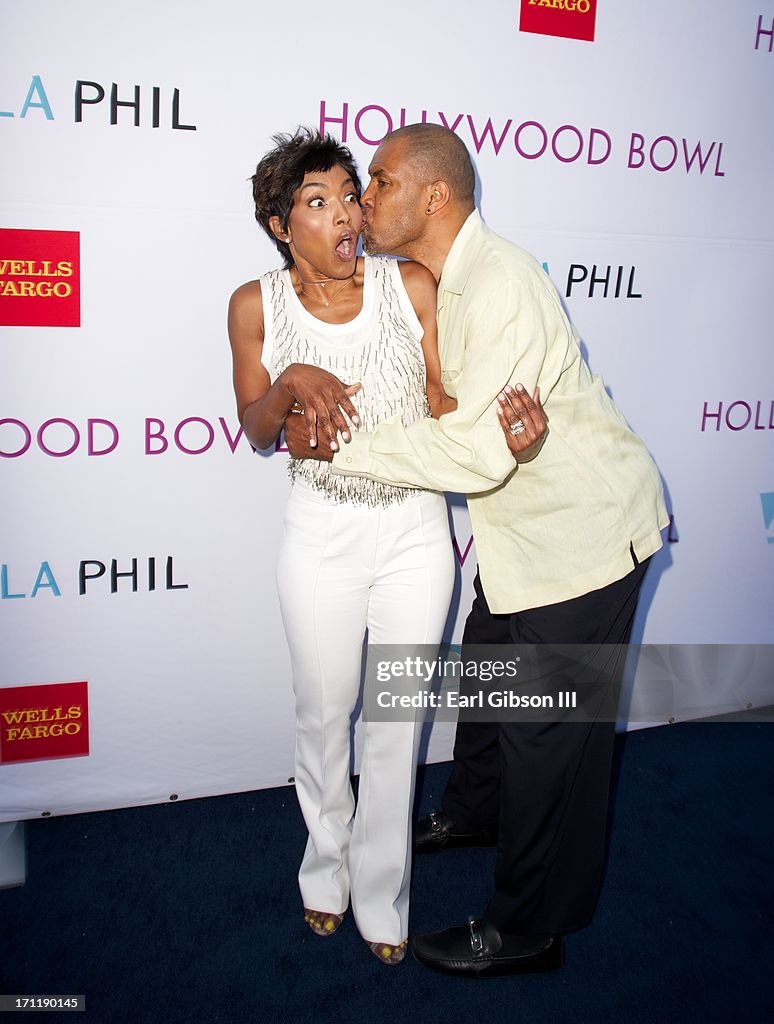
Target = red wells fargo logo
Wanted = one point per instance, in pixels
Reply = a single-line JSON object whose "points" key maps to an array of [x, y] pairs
{"points": [[572, 19], [42, 722], [40, 278]]}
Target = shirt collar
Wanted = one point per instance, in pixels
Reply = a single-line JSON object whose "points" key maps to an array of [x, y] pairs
{"points": [[462, 256]]}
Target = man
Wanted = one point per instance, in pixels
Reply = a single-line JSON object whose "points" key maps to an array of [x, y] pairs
{"points": [[562, 543]]}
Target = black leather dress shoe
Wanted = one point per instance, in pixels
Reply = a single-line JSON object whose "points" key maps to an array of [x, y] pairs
{"points": [[479, 950], [436, 831]]}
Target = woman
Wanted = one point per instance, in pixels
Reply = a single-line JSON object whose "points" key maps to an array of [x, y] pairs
{"points": [[356, 555]]}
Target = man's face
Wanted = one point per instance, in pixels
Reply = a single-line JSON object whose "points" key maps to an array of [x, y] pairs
{"points": [[394, 202]]}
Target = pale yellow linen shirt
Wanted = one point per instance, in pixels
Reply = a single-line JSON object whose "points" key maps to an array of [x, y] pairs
{"points": [[561, 525]]}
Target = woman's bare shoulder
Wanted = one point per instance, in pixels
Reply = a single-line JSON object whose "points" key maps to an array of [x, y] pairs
{"points": [[245, 313], [415, 275], [247, 294]]}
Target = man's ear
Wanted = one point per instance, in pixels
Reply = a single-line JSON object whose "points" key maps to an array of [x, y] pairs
{"points": [[439, 196], [279, 232]]}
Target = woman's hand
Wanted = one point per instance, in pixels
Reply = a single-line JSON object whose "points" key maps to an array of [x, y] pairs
{"points": [[523, 421], [320, 397]]}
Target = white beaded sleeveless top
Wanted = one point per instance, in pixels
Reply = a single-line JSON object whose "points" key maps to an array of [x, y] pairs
{"points": [[381, 348]]}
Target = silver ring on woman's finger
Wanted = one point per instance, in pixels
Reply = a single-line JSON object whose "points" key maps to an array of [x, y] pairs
{"points": [[517, 427]]}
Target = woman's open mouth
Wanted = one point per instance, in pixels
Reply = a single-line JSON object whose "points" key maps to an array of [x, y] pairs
{"points": [[347, 246]]}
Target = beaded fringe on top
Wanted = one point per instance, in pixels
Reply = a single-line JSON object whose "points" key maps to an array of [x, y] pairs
{"points": [[383, 353]]}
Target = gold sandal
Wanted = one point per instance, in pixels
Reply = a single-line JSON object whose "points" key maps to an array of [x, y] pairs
{"points": [[321, 922], [387, 954]]}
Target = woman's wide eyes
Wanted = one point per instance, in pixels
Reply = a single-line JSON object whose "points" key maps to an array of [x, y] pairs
{"points": [[318, 202]]}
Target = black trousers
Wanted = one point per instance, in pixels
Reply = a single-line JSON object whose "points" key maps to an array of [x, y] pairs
{"points": [[544, 786]]}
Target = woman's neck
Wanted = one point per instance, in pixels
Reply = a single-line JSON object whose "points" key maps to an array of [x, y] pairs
{"points": [[330, 299]]}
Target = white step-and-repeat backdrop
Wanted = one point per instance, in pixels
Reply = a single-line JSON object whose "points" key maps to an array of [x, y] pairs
{"points": [[628, 145]]}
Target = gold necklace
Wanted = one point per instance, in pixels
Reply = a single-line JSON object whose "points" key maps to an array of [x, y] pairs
{"points": [[321, 284]]}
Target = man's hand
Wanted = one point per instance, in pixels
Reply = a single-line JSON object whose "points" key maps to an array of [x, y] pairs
{"points": [[523, 421], [322, 397], [297, 440]]}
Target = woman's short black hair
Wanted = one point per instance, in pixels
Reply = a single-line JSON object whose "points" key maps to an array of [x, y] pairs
{"points": [[281, 171]]}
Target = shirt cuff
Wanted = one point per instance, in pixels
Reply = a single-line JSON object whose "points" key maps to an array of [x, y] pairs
{"points": [[354, 458]]}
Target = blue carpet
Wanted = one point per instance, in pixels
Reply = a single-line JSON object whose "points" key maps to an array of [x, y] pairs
{"points": [[189, 912]]}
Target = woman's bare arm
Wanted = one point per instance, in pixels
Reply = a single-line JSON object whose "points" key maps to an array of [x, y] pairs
{"points": [[421, 289], [261, 405]]}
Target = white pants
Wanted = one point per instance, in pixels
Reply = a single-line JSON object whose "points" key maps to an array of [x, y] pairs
{"points": [[343, 568]]}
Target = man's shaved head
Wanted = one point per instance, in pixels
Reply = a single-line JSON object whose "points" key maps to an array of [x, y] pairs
{"points": [[436, 153]]}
